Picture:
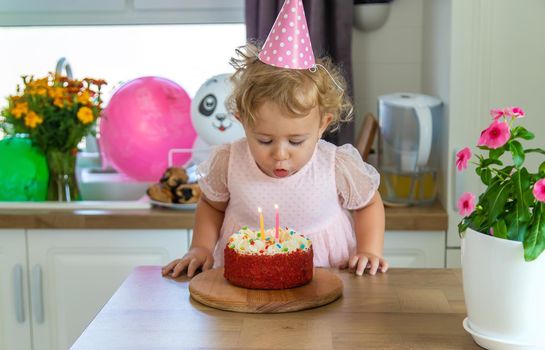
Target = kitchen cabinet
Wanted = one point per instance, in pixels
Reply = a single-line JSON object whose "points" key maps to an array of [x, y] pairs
{"points": [[454, 258], [14, 295], [72, 273], [415, 249], [72, 260]]}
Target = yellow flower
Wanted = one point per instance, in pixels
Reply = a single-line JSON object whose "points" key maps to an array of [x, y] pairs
{"points": [[83, 98], [56, 111], [85, 115], [19, 109], [59, 102], [43, 82], [32, 120], [41, 91], [56, 92], [37, 87]]}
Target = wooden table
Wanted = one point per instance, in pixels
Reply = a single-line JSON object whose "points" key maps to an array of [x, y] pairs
{"points": [[402, 309]]}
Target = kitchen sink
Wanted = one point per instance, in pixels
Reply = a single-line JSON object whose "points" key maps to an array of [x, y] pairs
{"points": [[98, 184]]}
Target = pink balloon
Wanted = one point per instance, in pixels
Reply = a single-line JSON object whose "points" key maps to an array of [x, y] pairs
{"points": [[144, 119]]}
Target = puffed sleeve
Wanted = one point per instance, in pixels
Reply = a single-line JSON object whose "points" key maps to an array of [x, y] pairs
{"points": [[356, 180], [212, 174]]}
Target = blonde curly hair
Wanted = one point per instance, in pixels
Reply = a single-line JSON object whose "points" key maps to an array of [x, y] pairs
{"points": [[295, 91]]}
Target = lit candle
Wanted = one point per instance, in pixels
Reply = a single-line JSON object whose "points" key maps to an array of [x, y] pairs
{"points": [[261, 223], [277, 225]]}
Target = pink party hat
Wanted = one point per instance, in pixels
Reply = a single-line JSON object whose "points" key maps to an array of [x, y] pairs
{"points": [[288, 44]]}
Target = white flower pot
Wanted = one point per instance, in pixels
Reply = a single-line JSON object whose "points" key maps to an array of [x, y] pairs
{"points": [[504, 294]]}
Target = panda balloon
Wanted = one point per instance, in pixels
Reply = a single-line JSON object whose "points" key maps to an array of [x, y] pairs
{"points": [[213, 123], [211, 119]]}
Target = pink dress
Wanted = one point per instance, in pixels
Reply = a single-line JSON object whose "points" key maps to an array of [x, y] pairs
{"points": [[314, 201]]}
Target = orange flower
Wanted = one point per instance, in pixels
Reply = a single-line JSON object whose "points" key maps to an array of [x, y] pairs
{"points": [[38, 87], [19, 109], [53, 102], [32, 120], [83, 98], [56, 92], [59, 102], [85, 115]]}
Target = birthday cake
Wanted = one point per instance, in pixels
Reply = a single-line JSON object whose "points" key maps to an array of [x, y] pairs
{"points": [[256, 262]]}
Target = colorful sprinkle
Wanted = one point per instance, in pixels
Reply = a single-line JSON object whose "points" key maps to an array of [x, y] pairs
{"points": [[250, 242]]}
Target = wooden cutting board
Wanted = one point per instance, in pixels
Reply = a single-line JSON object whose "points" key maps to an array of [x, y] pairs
{"points": [[212, 289]]}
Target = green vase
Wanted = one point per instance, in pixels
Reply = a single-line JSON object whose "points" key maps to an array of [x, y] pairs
{"points": [[63, 186]]}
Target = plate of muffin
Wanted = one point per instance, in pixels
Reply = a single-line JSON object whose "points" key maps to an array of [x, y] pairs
{"points": [[177, 189]]}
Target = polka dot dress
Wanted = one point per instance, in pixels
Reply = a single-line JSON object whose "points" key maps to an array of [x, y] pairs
{"points": [[288, 44]]}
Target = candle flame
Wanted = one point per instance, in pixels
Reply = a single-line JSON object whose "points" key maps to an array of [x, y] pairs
{"points": [[259, 209], [276, 206]]}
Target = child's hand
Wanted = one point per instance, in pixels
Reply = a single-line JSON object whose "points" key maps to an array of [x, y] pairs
{"points": [[194, 259], [363, 260]]}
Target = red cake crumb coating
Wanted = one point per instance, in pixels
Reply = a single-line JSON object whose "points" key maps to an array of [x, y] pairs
{"points": [[278, 271]]}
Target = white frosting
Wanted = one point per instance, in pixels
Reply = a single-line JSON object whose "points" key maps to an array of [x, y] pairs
{"points": [[247, 241]]}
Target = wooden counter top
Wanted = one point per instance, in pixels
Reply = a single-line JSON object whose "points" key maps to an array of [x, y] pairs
{"points": [[429, 218], [402, 309]]}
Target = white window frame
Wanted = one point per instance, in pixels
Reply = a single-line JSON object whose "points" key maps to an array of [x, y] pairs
{"points": [[113, 12]]}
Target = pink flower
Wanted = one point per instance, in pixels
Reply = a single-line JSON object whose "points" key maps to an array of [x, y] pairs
{"points": [[539, 190], [497, 113], [496, 135], [462, 157], [466, 203], [516, 112]]}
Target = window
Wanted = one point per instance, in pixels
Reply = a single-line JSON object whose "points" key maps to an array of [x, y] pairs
{"points": [[186, 54]]}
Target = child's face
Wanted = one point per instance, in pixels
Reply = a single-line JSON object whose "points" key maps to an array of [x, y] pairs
{"points": [[281, 144]]}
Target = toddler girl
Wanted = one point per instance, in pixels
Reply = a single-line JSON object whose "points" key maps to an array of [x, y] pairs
{"points": [[323, 191]]}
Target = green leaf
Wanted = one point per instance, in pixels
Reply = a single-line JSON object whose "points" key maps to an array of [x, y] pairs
{"points": [[506, 171], [490, 161], [496, 196], [515, 230], [500, 229], [496, 153], [542, 169], [534, 242], [486, 176], [520, 131], [534, 150], [479, 223], [518, 153], [463, 225], [521, 184]]}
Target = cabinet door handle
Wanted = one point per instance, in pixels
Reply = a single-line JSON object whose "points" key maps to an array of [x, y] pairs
{"points": [[18, 293], [37, 295]]}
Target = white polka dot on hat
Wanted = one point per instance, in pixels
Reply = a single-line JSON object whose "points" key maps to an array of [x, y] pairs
{"points": [[286, 45]]}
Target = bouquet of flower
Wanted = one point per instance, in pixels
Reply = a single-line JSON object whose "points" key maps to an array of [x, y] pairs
{"points": [[55, 111], [513, 204]]}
